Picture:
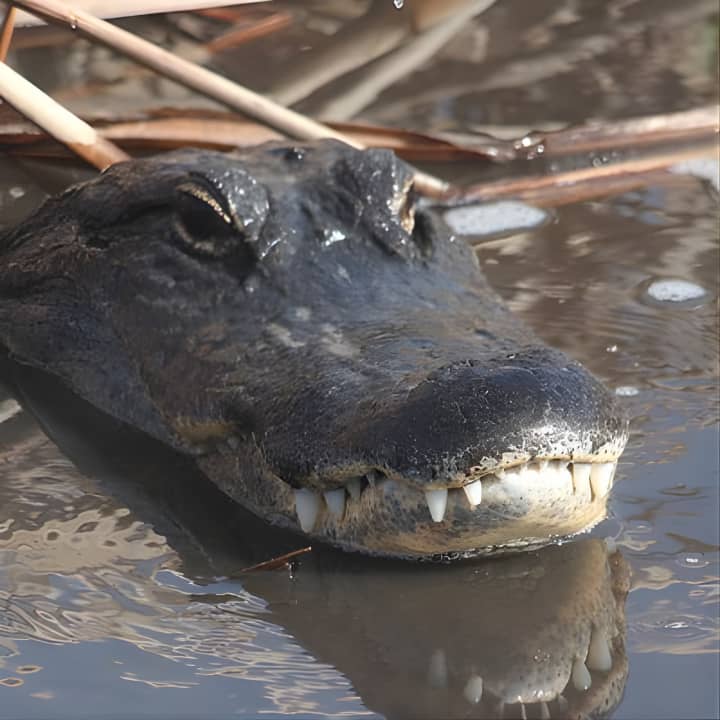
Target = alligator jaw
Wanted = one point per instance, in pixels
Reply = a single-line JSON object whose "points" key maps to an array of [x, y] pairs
{"points": [[518, 506]]}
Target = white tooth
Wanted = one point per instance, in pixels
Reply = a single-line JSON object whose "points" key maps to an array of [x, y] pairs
{"points": [[543, 465], [581, 481], [473, 689], [544, 711], [473, 491], [599, 657], [307, 507], [438, 671], [523, 712], [601, 477], [581, 679], [562, 475], [335, 500], [354, 487], [437, 502]]}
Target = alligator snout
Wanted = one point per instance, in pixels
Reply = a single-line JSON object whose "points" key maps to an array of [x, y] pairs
{"points": [[480, 456], [330, 354]]}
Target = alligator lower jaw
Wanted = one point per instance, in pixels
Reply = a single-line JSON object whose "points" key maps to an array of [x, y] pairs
{"points": [[521, 505], [525, 505]]}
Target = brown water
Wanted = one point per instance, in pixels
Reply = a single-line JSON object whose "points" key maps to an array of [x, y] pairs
{"points": [[120, 591]]}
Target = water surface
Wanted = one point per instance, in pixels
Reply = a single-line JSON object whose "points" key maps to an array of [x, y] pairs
{"points": [[120, 586]]}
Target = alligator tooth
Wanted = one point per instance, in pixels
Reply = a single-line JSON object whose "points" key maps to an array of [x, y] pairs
{"points": [[580, 676], [335, 500], [601, 478], [473, 491], [354, 487], [599, 657], [437, 502], [307, 507], [581, 481], [473, 689]]}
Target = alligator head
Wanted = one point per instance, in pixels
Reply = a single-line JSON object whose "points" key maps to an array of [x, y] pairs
{"points": [[330, 354]]}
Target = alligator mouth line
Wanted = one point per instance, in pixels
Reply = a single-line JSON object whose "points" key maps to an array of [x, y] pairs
{"points": [[587, 481]]}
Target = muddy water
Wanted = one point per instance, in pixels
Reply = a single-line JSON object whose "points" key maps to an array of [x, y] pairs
{"points": [[120, 590]]}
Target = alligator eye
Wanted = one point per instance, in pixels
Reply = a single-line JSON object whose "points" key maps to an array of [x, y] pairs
{"points": [[204, 225]]}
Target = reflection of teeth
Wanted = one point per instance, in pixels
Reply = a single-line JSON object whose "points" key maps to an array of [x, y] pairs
{"points": [[473, 689], [601, 478], [581, 481], [581, 679], [599, 657], [544, 711], [437, 502], [438, 672], [335, 500], [473, 491], [354, 487], [307, 507]]}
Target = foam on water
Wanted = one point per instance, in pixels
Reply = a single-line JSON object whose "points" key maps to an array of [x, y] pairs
{"points": [[493, 218], [674, 290]]}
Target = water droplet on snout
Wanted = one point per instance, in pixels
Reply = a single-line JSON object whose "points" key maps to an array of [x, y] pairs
{"points": [[16, 192], [626, 391]]}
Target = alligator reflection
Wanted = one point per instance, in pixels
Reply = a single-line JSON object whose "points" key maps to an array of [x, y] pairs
{"points": [[535, 635]]}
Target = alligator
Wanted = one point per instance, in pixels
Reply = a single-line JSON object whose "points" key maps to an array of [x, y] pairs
{"points": [[319, 342]]}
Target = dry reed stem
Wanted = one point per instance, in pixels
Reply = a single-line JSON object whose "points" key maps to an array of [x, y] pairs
{"points": [[586, 183], [201, 80], [6, 31], [128, 8], [52, 117]]}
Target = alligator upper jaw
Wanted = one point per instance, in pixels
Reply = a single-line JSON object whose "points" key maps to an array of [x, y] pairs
{"points": [[519, 505]]}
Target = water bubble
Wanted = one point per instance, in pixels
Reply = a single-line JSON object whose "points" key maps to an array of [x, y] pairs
{"points": [[398, 4], [626, 391], [693, 560], [16, 192]]}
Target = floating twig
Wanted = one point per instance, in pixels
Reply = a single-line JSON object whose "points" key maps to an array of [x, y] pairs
{"points": [[279, 562], [587, 183], [52, 117], [244, 32]]}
